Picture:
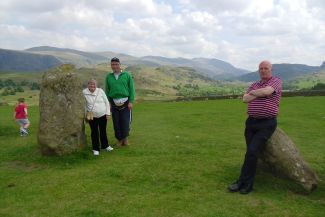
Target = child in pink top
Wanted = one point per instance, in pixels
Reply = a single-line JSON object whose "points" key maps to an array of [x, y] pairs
{"points": [[21, 117]]}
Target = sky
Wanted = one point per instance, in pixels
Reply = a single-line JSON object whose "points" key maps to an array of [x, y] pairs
{"points": [[240, 32]]}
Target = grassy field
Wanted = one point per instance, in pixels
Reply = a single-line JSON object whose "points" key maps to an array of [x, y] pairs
{"points": [[182, 157]]}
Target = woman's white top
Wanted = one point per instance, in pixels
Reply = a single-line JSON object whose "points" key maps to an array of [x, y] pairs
{"points": [[101, 105]]}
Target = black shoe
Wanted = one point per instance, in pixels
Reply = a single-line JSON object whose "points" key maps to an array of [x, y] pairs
{"points": [[246, 188], [236, 186]]}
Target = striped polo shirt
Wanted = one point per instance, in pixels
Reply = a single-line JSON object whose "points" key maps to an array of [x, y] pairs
{"points": [[265, 107]]}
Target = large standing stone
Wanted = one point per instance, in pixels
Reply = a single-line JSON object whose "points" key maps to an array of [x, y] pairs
{"points": [[282, 158], [61, 127]]}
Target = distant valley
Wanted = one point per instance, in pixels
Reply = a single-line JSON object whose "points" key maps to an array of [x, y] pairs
{"points": [[156, 77]]}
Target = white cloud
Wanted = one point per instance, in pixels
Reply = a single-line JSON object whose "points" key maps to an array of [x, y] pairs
{"points": [[240, 32], [215, 7], [32, 6]]}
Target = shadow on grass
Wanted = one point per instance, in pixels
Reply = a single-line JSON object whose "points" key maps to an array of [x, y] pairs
{"points": [[93, 213], [31, 157], [7, 131], [269, 184]]}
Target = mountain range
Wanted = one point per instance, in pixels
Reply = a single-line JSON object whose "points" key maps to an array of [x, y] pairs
{"points": [[212, 68], [38, 59], [9, 59], [286, 71]]}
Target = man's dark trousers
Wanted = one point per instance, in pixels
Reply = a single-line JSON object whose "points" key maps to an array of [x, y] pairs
{"points": [[95, 125], [121, 121], [257, 132]]}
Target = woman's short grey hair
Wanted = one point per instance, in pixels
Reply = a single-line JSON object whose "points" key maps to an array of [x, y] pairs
{"points": [[92, 80]]}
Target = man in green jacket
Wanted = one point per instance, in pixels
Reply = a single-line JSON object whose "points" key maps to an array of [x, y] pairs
{"points": [[120, 92]]}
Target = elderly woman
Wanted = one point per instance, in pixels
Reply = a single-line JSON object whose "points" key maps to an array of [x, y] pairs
{"points": [[97, 103]]}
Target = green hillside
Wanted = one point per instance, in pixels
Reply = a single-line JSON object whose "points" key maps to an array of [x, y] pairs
{"points": [[306, 82], [152, 83], [11, 60], [65, 55]]}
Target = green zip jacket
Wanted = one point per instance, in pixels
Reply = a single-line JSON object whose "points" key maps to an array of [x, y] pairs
{"points": [[120, 88]]}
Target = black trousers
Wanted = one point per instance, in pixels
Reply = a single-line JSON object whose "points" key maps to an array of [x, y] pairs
{"points": [[121, 120], [98, 132], [257, 132]]}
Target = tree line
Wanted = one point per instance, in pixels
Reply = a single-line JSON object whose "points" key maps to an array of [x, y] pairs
{"points": [[10, 87], [319, 86]]}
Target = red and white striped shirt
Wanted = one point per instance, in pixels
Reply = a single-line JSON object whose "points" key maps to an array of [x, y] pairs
{"points": [[265, 107]]}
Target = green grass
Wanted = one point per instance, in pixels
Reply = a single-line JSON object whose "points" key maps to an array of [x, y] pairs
{"points": [[182, 157]]}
